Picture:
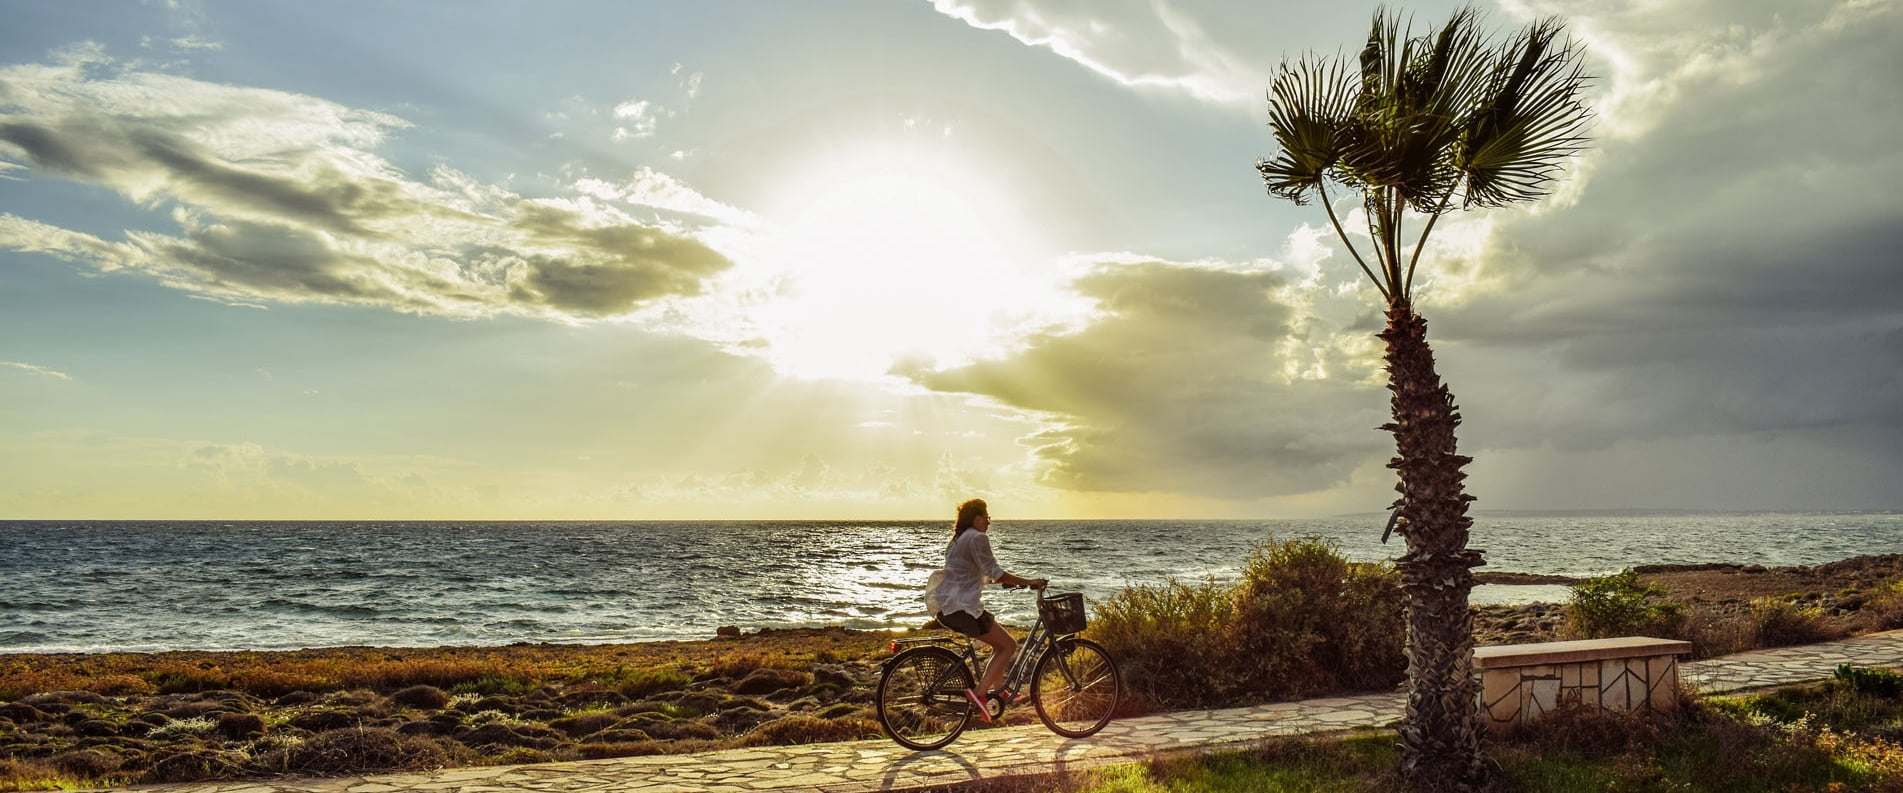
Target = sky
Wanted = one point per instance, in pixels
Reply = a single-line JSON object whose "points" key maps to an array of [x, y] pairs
{"points": [[856, 260]]}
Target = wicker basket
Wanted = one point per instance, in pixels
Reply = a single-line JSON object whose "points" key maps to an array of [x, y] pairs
{"points": [[1062, 614]]}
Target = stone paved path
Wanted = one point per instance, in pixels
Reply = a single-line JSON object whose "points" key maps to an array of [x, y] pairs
{"points": [[862, 766]]}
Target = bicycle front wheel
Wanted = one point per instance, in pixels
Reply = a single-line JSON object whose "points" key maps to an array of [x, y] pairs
{"points": [[1075, 688], [921, 700]]}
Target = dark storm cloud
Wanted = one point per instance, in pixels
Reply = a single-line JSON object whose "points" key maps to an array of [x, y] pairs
{"points": [[1725, 282], [1180, 385], [1730, 269]]}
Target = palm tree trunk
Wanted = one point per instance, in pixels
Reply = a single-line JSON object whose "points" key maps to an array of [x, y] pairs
{"points": [[1441, 737]]}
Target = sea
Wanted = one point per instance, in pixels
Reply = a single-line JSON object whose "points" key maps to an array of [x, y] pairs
{"points": [[145, 586]]}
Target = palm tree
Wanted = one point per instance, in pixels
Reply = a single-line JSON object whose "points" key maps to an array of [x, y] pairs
{"points": [[1417, 127]]}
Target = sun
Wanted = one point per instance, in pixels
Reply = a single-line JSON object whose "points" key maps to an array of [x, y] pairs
{"points": [[898, 252]]}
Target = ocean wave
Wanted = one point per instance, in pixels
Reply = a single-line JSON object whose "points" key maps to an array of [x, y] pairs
{"points": [[182, 586], [283, 605]]}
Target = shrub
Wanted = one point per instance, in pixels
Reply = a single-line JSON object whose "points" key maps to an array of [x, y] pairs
{"points": [[351, 751], [1168, 641], [1779, 623], [1307, 620], [1715, 631], [1882, 610], [88, 763], [766, 681], [24, 774], [807, 729], [584, 724], [1874, 682], [499, 733], [239, 726], [1302, 620], [421, 698], [193, 764], [1621, 605]]}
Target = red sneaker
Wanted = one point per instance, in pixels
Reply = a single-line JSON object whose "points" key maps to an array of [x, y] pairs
{"points": [[984, 708]]}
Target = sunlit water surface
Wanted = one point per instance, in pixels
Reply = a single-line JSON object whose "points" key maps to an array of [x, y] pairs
{"points": [[98, 586]]}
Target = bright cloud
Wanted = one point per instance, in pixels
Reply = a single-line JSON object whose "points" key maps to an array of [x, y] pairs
{"points": [[1138, 44], [642, 119], [1190, 379], [651, 188], [37, 370], [279, 196]]}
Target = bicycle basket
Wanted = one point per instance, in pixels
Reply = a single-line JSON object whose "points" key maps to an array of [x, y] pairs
{"points": [[1064, 613]]}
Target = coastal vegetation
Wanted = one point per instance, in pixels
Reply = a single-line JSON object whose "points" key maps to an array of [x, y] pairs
{"points": [[1770, 613], [1300, 621], [1410, 124], [1839, 736]]}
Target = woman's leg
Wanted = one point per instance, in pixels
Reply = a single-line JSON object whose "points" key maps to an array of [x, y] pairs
{"points": [[1003, 648]]}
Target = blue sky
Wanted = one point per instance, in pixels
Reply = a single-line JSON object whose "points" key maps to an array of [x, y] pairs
{"points": [[865, 259]]}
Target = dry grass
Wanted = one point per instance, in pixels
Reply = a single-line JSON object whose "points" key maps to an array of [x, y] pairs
{"points": [[273, 674]]}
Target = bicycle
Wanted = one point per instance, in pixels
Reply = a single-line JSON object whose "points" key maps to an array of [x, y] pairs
{"points": [[1074, 684]]}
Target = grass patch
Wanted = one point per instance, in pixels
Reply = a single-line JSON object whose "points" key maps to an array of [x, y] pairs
{"points": [[1823, 738]]}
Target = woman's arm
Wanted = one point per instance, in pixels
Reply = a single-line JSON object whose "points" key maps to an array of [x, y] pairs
{"points": [[1010, 580]]}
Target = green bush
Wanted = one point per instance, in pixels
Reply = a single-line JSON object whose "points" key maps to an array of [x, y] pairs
{"points": [[1302, 620], [1621, 605], [1169, 643], [1780, 623], [1875, 682], [1308, 621]]}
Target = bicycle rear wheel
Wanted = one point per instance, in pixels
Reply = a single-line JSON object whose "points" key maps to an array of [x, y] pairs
{"points": [[1075, 688], [921, 700]]}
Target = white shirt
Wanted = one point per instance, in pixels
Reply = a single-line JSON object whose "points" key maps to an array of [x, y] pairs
{"points": [[968, 565]]}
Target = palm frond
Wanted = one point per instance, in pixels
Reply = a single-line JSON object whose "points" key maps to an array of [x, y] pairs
{"points": [[1529, 123], [1437, 93], [1309, 103], [1416, 93], [1414, 121]]}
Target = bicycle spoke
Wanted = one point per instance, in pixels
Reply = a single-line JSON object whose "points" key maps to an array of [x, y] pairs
{"points": [[921, 699], [1076, 689]]}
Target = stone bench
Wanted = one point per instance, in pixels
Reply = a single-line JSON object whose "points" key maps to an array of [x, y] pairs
{"points": [[1520, 682]]}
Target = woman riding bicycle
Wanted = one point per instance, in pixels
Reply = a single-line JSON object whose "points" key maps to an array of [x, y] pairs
{"points": [[955, 596]]}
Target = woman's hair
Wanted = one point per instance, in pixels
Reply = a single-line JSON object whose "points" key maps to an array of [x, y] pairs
{"points": [[968, 513]]}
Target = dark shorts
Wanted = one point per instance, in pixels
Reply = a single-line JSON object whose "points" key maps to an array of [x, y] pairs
{"points": [[968, 625]]}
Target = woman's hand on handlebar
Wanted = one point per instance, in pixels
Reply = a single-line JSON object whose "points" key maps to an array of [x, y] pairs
{"points": [[1015, 582]]}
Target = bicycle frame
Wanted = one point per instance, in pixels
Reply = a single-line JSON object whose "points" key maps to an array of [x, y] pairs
{"points": [[1036, 643], [925, 696]]}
